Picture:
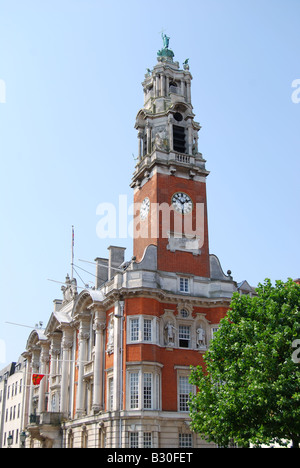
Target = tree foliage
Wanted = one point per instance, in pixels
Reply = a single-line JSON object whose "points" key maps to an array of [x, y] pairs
{"points": [[250, 390]]}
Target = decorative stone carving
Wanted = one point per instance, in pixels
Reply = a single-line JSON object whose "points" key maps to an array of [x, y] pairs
{"points": [[184, 243], [161, 141], [67, 343], [186, 64], [69, 290], [83, 335], [110, 337], [99, 326]]}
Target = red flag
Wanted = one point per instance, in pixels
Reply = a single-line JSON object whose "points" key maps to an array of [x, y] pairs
{"points": [[36, 378]]}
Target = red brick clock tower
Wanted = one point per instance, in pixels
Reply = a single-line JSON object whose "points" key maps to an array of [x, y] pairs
{"points": [[169, 181]]}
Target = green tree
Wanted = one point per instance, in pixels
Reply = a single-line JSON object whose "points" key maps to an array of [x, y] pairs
{"points": [[249, 391]]}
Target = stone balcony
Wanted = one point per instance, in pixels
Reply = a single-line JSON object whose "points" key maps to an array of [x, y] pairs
{"points": [[191, 164], [88, 370], [46, 428]]}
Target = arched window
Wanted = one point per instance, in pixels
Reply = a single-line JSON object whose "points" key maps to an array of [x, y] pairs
{"points": [[173, 88], [84, 437]]}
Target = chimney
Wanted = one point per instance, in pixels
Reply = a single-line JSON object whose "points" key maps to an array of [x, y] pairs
{"points": [[116, 258], [101, 271], [57, 304]]}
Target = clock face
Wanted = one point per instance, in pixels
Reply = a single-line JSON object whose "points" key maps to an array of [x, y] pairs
{"points": [[182, 203], [145, 207]]}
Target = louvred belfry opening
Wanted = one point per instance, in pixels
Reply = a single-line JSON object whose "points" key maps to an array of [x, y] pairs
{"points": [[179, 139]]}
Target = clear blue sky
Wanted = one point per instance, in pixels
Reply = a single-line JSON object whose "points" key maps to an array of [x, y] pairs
{"points": [[73, 71]]}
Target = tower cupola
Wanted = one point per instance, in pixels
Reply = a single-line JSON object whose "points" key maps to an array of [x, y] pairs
{"points": [[166, 122]]}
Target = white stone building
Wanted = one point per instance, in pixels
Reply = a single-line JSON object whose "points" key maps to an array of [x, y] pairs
{"points": [[12, 403]]}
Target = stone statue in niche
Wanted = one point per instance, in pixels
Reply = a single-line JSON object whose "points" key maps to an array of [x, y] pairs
{"points": [[110, 337], [169, 334], [200, 340]]}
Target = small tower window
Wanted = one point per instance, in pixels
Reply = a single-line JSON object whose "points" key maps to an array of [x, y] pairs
{"points": [[173, 87], [184, 285]]}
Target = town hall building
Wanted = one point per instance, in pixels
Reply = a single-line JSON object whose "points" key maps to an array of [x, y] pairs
{"points": [[116, 359]]}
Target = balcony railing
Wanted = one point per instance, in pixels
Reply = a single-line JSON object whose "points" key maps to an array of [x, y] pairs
{"points": [[45, 418], [183, 158], [34, 419], [89, 369]]}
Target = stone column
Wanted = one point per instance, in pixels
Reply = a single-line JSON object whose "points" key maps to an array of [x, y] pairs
{"points": [[82, 344], [190, 139], [189, 97], [67, 342], [44, 359], [28, 382], [170, 126], [183, 88], [99, 327], [162, 85], [157, 92], [35, 359], [140, 137], [116, 366], [167, 85], [118, 356], [55, 349], [148, 133]]}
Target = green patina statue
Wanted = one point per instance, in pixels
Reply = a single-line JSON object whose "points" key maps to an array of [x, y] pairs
{"points": [[165, 53], [166, 40]]}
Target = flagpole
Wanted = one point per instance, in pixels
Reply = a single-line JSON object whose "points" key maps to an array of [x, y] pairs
{"points": [[72, 255]]}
